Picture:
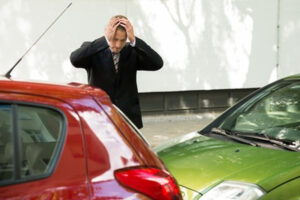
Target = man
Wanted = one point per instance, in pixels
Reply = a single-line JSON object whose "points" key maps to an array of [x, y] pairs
{"points": [[112, 63]]}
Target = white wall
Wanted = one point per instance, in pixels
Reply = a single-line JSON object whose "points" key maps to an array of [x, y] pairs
{"points": [[289, 51], [205, 44]]}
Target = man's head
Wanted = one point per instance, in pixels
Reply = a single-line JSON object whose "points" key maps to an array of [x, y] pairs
{"points": [[119, 38], [120, 27]]}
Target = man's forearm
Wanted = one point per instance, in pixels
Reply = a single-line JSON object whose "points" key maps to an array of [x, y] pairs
{"points": [[150, 59], [81, 57]]}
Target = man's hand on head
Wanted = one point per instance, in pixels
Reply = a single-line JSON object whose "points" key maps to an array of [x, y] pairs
{"points": [[129, 29], [111, 27]]}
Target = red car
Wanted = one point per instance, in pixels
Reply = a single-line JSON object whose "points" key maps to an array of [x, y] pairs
{"points": [[70, 142]]}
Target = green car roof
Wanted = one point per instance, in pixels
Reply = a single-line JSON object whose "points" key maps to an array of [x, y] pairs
{"points": [[293, 77]]}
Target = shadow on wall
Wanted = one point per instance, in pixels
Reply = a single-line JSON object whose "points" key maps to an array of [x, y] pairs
{"points": [[214, 44], [207, 44]]}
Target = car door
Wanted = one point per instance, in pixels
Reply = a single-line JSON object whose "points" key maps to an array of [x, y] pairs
{"points": [[41, 149]]}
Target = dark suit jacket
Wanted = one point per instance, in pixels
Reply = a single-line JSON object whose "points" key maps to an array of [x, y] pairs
{"points": [[96, 58]]}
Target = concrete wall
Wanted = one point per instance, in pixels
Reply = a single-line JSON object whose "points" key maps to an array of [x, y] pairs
{"points": [[206, 44], [187, 102]]}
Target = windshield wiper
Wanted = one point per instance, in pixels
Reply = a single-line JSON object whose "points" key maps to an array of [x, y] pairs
{"points": [[266, 138], [228, 134]]}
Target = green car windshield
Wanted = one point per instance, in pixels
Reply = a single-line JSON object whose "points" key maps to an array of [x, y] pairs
{"points": [[273, 112]]}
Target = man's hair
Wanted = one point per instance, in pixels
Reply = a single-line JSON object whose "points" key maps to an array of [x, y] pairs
{"points": [[120, 17]]}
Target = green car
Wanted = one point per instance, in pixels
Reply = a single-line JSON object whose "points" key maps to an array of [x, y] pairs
{"points": [[251, 151]]}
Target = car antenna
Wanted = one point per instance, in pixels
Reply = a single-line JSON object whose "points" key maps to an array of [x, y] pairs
{"points": [[7, 75]]}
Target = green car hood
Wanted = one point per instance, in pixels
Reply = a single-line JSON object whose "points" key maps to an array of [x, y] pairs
{"points": [[199, 163]]}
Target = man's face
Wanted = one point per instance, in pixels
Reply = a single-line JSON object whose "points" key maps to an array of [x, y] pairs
{"points": [[118, 41]]}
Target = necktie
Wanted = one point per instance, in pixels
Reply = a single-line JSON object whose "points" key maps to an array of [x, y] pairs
{"points": [[116, 57]]}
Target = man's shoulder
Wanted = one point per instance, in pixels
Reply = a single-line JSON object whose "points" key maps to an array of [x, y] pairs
{"points": [[100, 40], [98, 44], [86, 43]]}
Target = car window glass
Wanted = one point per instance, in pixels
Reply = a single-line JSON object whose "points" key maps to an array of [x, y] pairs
{"points": [[6, 145], [276, 113], [39, 130]]}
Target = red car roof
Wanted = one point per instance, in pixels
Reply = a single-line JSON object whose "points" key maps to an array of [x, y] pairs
{"points": [[60, 91]]}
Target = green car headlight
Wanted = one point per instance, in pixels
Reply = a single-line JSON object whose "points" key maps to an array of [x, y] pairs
{"points": [[228, 190]]}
